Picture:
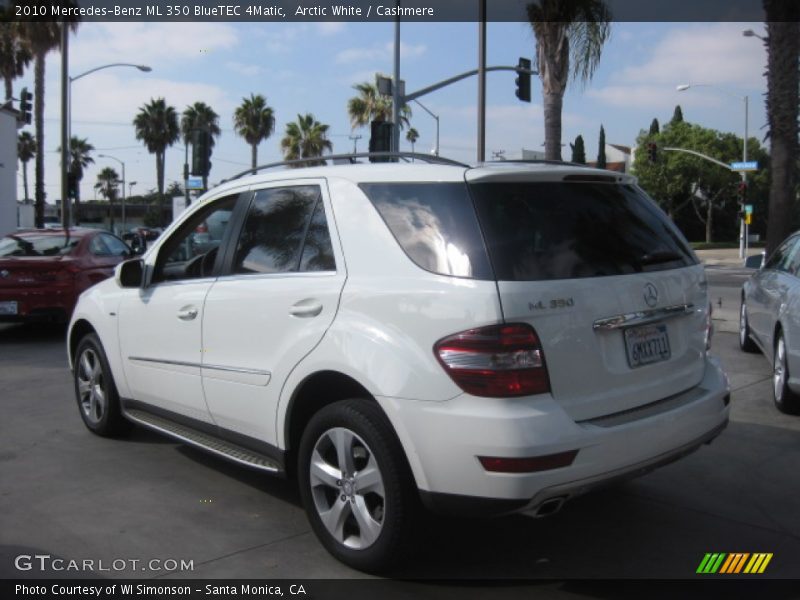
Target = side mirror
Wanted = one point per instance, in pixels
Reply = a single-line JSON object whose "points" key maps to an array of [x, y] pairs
{"points": [[754, 262], [138, 244], [130, 274]]}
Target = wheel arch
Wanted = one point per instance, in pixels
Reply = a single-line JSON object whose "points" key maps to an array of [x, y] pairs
{"points": [[77, 332]]}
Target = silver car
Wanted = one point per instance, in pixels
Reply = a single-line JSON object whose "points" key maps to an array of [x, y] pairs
{"points": [[769, 320]]}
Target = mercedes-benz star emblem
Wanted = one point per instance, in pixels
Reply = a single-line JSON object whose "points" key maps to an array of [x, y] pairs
{"points": [[650, 295]]}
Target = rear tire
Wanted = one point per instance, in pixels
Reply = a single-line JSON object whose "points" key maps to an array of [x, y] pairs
{"points": [[356, 486], [746, 342], [785, 399], [95, 391]]}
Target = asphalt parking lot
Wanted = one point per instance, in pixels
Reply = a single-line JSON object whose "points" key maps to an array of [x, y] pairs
{"points": [[69, 494]]}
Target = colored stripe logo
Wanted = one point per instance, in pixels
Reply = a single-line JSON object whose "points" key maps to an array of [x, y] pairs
{"points": [[734, 563]]}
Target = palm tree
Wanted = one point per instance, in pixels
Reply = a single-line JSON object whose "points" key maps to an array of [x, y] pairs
{"points": [[39, 37], [255, 122], [370, 105], [305, 138], [200, 116], [14, 56], [783, 53], [566, 32], [156, 126], [108, 182], [80, 151], [26, 150], [412, 135]]}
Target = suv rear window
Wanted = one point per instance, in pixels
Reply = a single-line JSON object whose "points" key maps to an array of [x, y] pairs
{"points": [[435, 224], [558, 230]]}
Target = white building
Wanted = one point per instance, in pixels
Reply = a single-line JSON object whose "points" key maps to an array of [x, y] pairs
{"points": [[8, 170]]}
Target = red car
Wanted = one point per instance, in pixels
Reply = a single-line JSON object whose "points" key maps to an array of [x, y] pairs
{"points": [[43, 271]]}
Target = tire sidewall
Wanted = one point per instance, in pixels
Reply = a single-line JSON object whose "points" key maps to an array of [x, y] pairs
{"points": [[365, 419]]}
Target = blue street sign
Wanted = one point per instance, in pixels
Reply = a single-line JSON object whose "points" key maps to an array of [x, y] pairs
{"points": [[744, 166], [194, 183], [748, 208]]}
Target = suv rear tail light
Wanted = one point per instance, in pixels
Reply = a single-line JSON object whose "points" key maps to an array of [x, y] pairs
{"points": [[498, 361]]}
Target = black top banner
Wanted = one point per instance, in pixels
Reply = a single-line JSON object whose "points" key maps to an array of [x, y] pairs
{"points": [[361, 10]]}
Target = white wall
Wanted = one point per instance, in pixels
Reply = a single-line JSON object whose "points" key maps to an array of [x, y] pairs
{"points": [[8, 171]]}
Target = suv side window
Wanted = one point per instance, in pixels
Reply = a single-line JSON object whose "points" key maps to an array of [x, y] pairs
{"points": [[191, 251], [285, 231]]}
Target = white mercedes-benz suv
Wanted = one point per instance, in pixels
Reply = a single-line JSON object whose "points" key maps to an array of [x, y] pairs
{"points": [[483, 340]]}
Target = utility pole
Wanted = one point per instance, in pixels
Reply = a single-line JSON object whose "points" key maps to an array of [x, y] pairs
{"points": [[396, 86], [355, 139], [482, 83], [65, 149]]}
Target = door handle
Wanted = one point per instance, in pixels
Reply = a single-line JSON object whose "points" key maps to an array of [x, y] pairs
{"points": [[187, 313], [306, 308]]}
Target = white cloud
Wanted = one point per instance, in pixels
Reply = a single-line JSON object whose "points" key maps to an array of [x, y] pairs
{"points": [[380, 52], [248, 70], [331, 27], [148, 43]]}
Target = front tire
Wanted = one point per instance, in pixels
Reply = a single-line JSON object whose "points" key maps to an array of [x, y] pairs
{"points": [[356, 486], [746, 342], [95, 391], [785, 399]]}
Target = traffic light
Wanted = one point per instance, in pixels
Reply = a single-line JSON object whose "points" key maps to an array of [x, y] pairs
{"points": [[201, 152], [523, 80], [652, 152], [742, 192], [25, 98], [380, 140]]}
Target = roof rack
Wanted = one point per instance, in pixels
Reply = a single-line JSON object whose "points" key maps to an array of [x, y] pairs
{"points": [[351, 157]]}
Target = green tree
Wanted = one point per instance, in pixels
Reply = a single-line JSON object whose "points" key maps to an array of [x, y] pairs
{"points": [[305, 138], [156, 125], [783, 56], [40, 37], [412, 135], [578, 151], [369, 105], [601, 149], [15, 56], [254, 120], [200, 116], [570, 35], [654, 127], [26, 150], [677, 115], [108, 183], [80, 157]]}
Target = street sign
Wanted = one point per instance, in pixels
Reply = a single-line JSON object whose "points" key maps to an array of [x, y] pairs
{"points": [[748, 209], [744, 166], [194, 183], [748, 218]]}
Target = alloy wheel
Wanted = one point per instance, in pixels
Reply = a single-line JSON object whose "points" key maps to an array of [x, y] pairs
{"points": [[91, 386]]}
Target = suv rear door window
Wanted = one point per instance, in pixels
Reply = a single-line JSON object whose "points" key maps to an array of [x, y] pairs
{"points": [[435, 224], [539, 231]]}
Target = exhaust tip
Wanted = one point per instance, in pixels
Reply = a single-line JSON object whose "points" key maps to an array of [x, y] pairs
{"points": [[550, 507]]}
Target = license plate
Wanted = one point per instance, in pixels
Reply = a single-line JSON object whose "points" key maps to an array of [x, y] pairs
{"points": [[8, 308], [647, 345]]}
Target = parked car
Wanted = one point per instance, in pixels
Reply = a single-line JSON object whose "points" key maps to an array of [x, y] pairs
{"points": [[769, 320], [43, 271], [481, 340]]}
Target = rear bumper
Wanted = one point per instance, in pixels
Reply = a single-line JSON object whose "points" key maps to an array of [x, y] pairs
{"points": [[40, 304], [444, 440]]}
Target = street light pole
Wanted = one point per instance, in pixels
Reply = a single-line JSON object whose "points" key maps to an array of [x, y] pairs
{"points": [[427, 110], [66, 116], [123, 191], [742, 227]]}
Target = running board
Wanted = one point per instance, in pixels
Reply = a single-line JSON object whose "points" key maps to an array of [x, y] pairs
{"points": [[204, 441]]}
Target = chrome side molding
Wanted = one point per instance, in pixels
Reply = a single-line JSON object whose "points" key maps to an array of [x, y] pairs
{"points": [[643, 317]]}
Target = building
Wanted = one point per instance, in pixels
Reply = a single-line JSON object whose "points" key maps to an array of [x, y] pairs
{"points": [[8, 170]]}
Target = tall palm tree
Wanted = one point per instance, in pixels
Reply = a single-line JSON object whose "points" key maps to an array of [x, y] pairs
{"points": [[370, 105], [305, 138], [108, 182], [80, 157], [254, 120], [14, 56], [200, 116], [566, 31], [156, 125], [412, 135], [783, 53], [26, 150], [40, 37]]}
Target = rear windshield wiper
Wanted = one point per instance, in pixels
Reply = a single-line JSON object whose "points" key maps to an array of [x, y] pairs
{"points": [[662, 256]]}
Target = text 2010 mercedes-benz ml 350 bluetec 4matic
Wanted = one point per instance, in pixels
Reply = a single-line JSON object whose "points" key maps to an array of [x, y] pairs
{"points": [[400, 337]]}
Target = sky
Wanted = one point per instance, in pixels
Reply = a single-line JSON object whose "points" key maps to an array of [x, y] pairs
{"points": [[311, 68]]}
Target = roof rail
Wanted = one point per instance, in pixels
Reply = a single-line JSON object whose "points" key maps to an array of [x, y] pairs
{"points": [[352, 158]]}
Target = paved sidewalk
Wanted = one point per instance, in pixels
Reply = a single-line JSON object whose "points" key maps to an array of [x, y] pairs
{"points": [[728, 257]]}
